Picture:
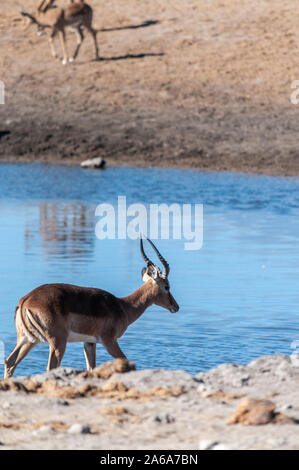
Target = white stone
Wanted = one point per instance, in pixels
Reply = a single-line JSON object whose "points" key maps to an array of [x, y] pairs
{"points": [[79, 429], [97, 163], [207, 444]]}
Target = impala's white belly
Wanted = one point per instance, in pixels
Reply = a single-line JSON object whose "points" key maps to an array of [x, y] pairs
{"points": [[78, 337]]}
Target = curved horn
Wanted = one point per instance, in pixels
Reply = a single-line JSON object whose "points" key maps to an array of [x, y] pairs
{"points": [[163, 260], [146, 259], [40, 7]]}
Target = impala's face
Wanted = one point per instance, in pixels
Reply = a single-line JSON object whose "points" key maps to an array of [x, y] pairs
{"points": [[163, 298]]}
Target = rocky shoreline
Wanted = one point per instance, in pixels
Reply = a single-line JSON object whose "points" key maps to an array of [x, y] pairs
{"points": [[117, 407]]}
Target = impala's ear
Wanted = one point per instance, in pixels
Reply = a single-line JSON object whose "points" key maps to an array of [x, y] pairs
{"points": [[150, 271], [143, 271]]}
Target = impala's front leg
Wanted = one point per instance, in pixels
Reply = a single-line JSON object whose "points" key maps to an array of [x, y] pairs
{"points": [[51, 43], [113, 348], [57, 348], [90, 355]]}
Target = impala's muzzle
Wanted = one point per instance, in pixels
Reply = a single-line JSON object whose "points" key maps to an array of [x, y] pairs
{"points": [[173, 305], [174, 309]]}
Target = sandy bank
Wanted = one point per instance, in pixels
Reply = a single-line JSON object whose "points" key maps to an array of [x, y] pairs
{"points": [[154, 409]]}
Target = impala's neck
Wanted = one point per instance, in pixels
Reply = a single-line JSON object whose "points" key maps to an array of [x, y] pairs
{"points": [[136, 303], [46, 19], [39, 19]]}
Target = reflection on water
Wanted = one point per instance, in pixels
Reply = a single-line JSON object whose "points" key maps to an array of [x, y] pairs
{"points": [[238, 295], [63, 229]]}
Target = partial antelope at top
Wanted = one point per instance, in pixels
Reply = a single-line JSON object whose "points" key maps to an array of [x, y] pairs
{"points": [[62, 313], [76, 15]]}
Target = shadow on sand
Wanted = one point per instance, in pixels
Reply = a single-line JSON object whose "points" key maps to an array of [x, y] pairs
{"points": [[130, 56], [145, 24]]}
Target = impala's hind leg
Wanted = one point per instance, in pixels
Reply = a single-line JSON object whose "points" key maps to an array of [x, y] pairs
{"points": [[93, 32], [90, 355], [21, 350]]}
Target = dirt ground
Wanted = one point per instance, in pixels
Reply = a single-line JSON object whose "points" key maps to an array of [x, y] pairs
{"points": [[181, 84]]}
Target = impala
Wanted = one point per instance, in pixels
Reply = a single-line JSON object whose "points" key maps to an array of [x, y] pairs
{"points": [[76, 15], [62, 313]]}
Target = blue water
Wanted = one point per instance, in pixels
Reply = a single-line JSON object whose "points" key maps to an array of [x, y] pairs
{"points": [[238, 294]]}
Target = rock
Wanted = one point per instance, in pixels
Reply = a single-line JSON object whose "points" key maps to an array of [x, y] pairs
{"points": [[245, 379], [224, 397], [107, 369], [233, 375], [97, 163], [164, 419], [220, 447], [275, 443], [116, 410], [62, 402], [61, 373], [7, 404], [281, 418], [207, 444], [149, 379], [46, 429], [253, 411], [77, 428], [12, 385], [286, 407], [268, 374], [266, 364], [114, 386]]}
